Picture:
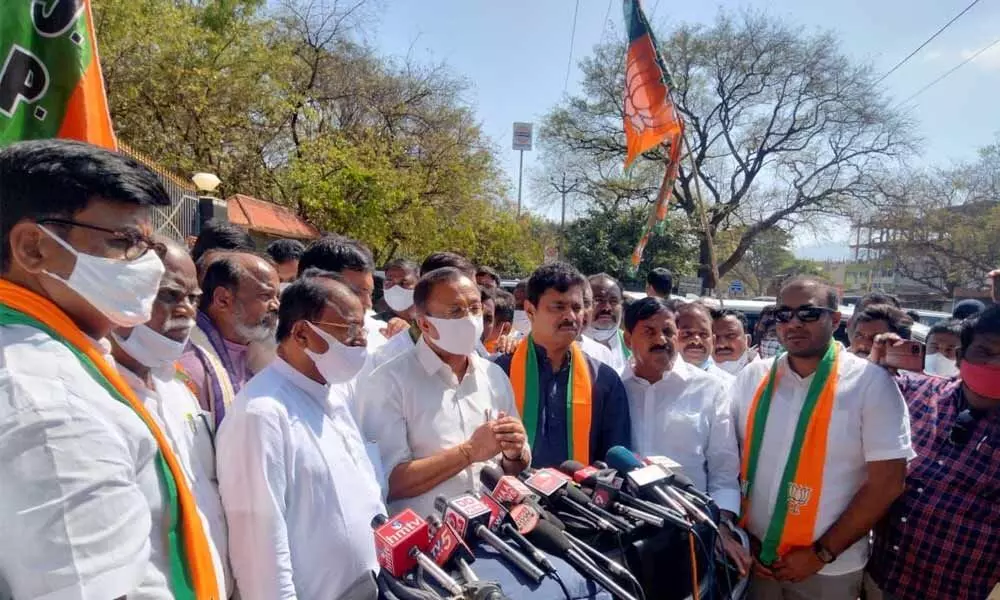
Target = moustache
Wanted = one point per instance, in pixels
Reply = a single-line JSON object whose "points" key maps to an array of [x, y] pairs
{"points": [[661, 348], [569, 325], [184, 324]]}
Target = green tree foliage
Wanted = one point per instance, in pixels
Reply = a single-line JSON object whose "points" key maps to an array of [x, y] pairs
{"points": [[285, 102], [603, 240], [783, 129]]}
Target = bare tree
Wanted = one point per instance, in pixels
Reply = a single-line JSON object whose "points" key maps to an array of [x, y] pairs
{"points": [[783, 129]]}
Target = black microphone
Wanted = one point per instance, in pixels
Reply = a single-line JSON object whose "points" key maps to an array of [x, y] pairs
{"points": [[470, 517], [447, 547], [554, 542], [553, 485], [606, 492], [654, 481]]}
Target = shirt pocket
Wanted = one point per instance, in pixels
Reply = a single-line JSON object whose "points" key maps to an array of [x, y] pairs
{"points": [[844, 436], [682, 434]]}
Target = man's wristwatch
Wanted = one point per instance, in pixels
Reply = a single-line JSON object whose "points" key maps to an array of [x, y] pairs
{"points": [[824, 554]]}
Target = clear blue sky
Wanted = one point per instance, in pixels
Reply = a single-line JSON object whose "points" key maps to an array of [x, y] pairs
{"points": [[515, 55]]}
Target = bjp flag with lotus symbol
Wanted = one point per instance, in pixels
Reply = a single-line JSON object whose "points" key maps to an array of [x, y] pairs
{"points": [[50, 76]]}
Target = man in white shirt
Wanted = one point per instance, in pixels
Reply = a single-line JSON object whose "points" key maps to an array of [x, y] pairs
{"points": [[681, 412], [82, 514], [605, 327], [731, 340], [298, 489], [439, 412], [697, 342], [862, 467], [589, 345], [146, 356]]}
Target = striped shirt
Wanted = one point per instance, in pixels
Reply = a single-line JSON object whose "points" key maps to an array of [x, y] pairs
{"points": [[941, 538]]}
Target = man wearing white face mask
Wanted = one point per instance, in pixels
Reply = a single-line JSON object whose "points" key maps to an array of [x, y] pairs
{"points": [[83, 465], [732, 342], [439, 412], [146, 356], [298, 488], [605, 325]]}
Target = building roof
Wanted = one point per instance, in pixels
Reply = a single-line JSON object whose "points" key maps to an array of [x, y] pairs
{"points": [[265, 217]]}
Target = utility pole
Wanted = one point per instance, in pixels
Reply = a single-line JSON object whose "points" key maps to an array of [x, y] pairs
{"points": [[520, 177], [563, 190]]}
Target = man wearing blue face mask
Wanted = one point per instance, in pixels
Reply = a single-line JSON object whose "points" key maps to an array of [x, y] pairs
{"points": [[297, 486], [146, 356], [439, 412], [84, 467]]}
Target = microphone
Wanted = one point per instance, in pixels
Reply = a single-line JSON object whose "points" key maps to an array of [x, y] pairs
{"points": [[554, 485], [470, 517], [398, 546], [555, 542], [606, 492], [500, 522], [653, 480], [447, 546], [511, 492]]}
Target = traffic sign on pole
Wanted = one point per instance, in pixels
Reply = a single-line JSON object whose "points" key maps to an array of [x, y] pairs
{"points": [[736, 286], [523, 136]]}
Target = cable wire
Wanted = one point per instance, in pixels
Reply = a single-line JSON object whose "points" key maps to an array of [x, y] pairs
{"points": [[952, 70], [927, 41], [559, 580], [572, 41]]}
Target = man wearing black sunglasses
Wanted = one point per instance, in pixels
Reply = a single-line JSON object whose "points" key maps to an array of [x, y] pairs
{"points": [[829, 432], [939, 539]]}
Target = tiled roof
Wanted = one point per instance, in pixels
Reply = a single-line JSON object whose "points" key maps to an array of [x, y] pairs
{"points": [[265, 217]]}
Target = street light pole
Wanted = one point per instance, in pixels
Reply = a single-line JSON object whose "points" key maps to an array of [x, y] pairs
{"points": [[520, 177], [563, 190]]}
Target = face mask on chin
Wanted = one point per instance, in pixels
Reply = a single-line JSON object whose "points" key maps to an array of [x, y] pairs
{"points": [[735, 366], [940, 365], [340, 362], [150, 348], [457, 336], [601, 335], [123, 291]]}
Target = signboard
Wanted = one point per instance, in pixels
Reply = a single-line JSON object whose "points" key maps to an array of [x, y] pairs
{"points": [[689, 285], [736, 286], [523, 133]]}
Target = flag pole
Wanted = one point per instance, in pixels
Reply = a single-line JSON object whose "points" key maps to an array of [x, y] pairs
{"points": [[706, 230]]}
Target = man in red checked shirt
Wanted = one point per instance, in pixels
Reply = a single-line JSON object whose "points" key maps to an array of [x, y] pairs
{"points": [[941, 538]]}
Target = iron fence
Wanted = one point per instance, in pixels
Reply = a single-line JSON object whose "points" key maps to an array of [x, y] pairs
{"points": [[180, 220]]}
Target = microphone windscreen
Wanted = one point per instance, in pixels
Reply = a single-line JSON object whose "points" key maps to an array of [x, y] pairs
{"points": [[570, 467], [378, 521], [440, 504], [621, 459], [489, 476], [549, 539]]}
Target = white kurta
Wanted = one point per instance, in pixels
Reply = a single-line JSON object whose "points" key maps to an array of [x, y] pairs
{"points": [[414, 407], [187, 428], [298, 489], [686, 416]]}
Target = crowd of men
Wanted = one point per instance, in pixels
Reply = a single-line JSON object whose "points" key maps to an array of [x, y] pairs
{"points": [[218, 422]]}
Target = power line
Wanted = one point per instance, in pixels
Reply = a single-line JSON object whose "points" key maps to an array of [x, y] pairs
{"points": [[952, 70], [653, 14], [572, 41], [604, 24], [927, 41]]}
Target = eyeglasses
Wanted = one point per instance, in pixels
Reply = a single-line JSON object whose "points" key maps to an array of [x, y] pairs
{"points": [[965, 424], [132, 243], [355, 331], [805, 314]]}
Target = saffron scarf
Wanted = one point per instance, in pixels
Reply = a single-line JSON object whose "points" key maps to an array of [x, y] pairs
{"points": [[524, 378], [793, 523], [192, 573]]}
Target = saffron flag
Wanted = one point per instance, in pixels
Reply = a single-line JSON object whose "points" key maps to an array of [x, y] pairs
{"points": [[651, 118], [50, 76]]}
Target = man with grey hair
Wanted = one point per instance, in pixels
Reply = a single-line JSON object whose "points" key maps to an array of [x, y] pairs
{"points": [[239, 306]]}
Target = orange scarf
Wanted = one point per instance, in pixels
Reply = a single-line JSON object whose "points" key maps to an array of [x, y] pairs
{"points": [[524, 378], [793, 523], [199, 571]]}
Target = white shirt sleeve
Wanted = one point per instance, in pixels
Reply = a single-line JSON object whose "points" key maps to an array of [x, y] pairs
{"points": [[75, 525], [722, 455], [885, 420], [384, 421], [252, 483]]}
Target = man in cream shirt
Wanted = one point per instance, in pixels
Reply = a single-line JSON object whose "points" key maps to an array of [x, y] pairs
{"points": [[146, 357], [605, 325], [867, 447], [439, 412], [298, 489]]}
